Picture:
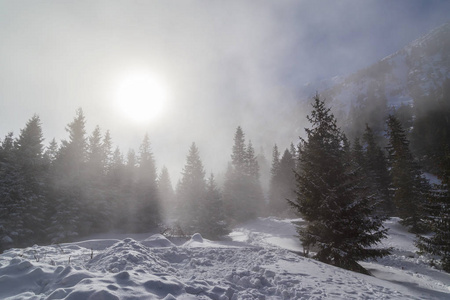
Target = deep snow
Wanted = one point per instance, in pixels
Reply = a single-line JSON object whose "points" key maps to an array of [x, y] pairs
{"points": [[259, 261]]}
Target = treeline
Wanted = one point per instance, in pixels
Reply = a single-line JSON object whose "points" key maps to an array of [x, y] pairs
{"points": [[83, 186]]}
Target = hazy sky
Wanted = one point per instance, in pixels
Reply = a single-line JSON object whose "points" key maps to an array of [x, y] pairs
{"points": [[224, 63]]}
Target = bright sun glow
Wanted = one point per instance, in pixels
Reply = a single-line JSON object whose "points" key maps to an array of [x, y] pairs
{"points": [[141, 97]]}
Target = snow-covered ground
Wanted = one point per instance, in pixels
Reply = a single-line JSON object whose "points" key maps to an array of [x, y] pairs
{"points": [[259, 261]]}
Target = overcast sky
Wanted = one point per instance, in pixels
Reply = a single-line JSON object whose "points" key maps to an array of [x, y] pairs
{"points": [[224, 63]]}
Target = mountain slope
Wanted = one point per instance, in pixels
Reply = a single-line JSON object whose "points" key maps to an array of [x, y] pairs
{"points": [[409, 76]]}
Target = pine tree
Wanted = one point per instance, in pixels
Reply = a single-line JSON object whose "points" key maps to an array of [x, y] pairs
{"points": [[149, 211], [410, 187], [95, 155], [274, 170], [283, 185], [97, 211], [438, 218], [331, 198], [166, 193], [239, 152], [375, 167], [32, 168], [107, 151], [213, 223], [191, 192], [22, 192], [51, 152], [242, 190], [11, 196], [67, 193]]}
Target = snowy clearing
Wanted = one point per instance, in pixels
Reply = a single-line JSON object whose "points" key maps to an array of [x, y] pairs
{"points": [[257, 262]]}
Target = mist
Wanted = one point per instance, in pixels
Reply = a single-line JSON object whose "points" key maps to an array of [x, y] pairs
{"points": [[225, 65]]}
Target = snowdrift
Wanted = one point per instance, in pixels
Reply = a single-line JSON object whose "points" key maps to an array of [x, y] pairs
{"points": [[258, 262]]}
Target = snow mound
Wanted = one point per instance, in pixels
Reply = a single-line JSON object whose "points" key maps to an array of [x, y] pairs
{"points": [[157, 240], [127, 255], [197, 237]]}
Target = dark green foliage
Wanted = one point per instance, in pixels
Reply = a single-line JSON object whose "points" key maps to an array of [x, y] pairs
{"points": [[410, 187], [243, 194], [438, 218], [332, 198], [22, 192], [375, 167]]}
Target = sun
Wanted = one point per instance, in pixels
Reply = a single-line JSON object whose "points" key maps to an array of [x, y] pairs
{"points": [[141, 96]]}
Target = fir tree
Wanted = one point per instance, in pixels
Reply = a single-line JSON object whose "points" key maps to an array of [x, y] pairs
{"points": [[438, 218], [166, 193], [148, 203], [242, 190], [95, 155], [107, 152], [51, 152], [275, 165], [23, 196], [331, 198], [68, 183], [97, 212], [191, 192], [410, 187], [11, 196], [213, 220], [375, 167], [282, 184], [32, 170]]}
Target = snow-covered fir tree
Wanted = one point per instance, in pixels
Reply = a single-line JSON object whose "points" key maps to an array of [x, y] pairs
{"points": [[331, 197]]}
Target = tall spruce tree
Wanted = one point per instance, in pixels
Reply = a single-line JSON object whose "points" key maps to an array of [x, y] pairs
{"points": [[331, 197], [375, 167], [282, 184], [32, 169], [97, 209], [243, 194], [11, 196], [213, 223], [191, 192], [148, 215], [438, 218], [68, 183], [410, 186], [166, 193], [23, 196]]}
